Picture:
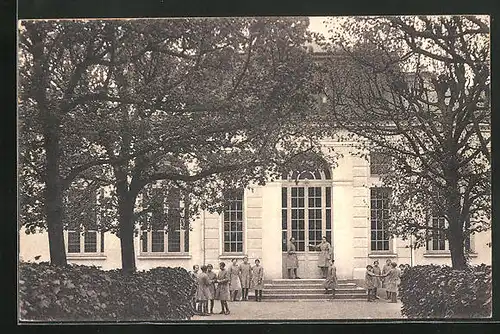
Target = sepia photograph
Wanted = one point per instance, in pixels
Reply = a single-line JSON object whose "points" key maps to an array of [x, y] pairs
{"points": [[274, 168]]}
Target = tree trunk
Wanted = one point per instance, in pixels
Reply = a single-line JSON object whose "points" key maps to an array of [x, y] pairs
{"points": [[126, 222], [456, 232], [53, 195]]}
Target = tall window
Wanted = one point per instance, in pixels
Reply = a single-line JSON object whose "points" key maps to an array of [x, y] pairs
{"points": [[83, 235], [166, 233], [437, 241], [233, 224], [379, 163], [379, 215], [306, 213]]}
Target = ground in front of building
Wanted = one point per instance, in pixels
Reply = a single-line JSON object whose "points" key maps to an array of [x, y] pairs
{"points": [[306, 310]]}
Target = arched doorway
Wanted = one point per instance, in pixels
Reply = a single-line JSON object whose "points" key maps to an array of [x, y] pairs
{"points": [[306, 215]]}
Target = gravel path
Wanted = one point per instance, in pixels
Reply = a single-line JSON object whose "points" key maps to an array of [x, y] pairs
{"points": [[298, 310]]}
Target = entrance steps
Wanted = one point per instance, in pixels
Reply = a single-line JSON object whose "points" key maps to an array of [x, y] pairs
{"points": [[308, 289]]}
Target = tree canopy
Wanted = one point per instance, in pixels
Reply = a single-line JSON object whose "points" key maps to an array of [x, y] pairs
{"points": [[417, 89], [198, 105]]}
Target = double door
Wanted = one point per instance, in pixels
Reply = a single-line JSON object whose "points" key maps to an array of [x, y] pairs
{"points": [[307, 217]]}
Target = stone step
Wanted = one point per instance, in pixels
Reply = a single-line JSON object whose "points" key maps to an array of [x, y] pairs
{"points": [[308, 285], [305, 280], [318, 296], [314, 291]]}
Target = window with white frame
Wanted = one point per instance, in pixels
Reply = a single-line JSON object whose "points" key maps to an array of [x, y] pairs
{"points": [[83, 235], [166, 232], [233, 223], [437, 237], [379, 215]]}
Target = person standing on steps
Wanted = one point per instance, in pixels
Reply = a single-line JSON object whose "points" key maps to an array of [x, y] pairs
{"points": [[258, 280], [325, 255], [385, 270], [292, 262], [245, 277], [222, 292], [213, 279], [234, 276], [377, 280], [331, 278]]}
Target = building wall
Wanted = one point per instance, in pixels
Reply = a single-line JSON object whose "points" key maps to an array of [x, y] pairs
{"points": [[351, 182]]}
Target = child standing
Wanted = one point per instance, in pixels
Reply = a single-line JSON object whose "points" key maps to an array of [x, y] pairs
{"points": [[194, 276], [385, 270], [203, 293], [222, 292], [370, 283], [331, 278], [245, 277], [257, 280], [234, 276], [377, 279], [213, 279]]}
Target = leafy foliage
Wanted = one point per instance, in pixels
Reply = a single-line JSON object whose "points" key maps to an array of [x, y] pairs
{"points": [[83, 293], [440, 292], [196, 104], [417, 90]]}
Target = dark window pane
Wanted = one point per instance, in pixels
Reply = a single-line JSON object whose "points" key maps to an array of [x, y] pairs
{"points": [[144, 241], [328, 219], [102, 241], [283, 219], [158, 241], [73, 242], [90, 242], [186, 240], [174, 241], [329, 236], [284, 197]]}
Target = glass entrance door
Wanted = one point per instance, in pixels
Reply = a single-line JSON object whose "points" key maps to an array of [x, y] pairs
{"points": [[307, 217]]}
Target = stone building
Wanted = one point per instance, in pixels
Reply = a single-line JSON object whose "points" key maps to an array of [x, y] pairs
{"points": [[345, 203]]}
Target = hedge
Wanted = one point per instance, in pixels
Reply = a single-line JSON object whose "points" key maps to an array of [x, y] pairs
{"points": [[87, 293], [433, 291]]}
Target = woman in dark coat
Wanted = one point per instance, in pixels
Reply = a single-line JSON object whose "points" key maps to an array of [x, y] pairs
{"points": [[222, 292], [292, 262], [324, 256]]}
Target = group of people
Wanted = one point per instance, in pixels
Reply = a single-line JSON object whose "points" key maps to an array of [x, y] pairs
{"points": [[226, 285], [389, 278], [324, 257]]}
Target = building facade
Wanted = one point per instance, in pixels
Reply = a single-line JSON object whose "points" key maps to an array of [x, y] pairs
{"points": [[346, 204]]}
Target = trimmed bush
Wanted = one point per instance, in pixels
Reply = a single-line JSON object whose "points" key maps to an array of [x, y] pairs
{"points": [[440, 292], [83, 293]]}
